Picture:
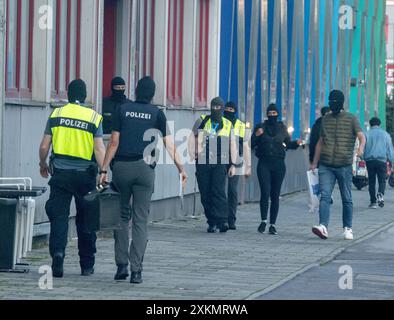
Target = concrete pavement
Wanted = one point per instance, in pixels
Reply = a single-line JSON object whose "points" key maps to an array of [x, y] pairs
{"points": [[184, 262]]}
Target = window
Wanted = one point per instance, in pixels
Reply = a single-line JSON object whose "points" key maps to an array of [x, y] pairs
{"points": [[19, 39], [175, 52], [66, 45]]}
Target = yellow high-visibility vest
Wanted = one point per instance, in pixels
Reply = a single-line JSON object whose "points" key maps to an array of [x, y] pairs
{"points": [[73, 129], [239, 129], [224, 132]]}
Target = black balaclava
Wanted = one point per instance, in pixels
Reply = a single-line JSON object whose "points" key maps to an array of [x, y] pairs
{"points": [[232, 116], [272, 119], [324, 111], [77, 91], [118, 95], [146, 89], [336, 101], [216, 115]]}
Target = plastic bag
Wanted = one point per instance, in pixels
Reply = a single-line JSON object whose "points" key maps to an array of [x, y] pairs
{"points": [[314, 191]]}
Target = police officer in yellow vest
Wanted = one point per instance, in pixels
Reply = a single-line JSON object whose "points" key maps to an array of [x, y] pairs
{"points": [[241, 136], [75, 133], [214, 150]]}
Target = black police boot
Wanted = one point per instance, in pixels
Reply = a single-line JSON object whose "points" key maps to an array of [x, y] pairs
{"points": [[223, 227], [232, 225], [211, 229], [57, 265], [136, 277], [86, 272], [122, 272]]}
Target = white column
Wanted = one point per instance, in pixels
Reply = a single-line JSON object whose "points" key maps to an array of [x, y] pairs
{"points": [[42, 50], [214, 49], [2, 75], [160, 51]]}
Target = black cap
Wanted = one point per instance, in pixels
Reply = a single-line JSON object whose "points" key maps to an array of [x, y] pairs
{"points": [[146, 89], [337, 96], [77, 91], [272, 107], [217, 102]]}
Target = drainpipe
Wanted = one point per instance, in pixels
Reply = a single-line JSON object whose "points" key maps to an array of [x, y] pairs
{"points": [[2, 76]]}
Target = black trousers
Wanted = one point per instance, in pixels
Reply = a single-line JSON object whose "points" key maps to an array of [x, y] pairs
{"points": [[271, 175], [64, 185], [211, 181], [232, 194], [376, 169]]}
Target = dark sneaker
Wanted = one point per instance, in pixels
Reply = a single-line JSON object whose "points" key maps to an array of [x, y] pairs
{"points": [[136, 277], [232, 226], [122, 273], [373, 206], [262, 227], [272, 230], [57, 265], [223, 228], [87, 272], [211, 229], [380, 200]]}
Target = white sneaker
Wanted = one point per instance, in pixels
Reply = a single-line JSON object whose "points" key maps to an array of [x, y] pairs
{"points": [[320, 231], [348, 234]]}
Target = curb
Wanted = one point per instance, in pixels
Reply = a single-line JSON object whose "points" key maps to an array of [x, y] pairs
{"points": [[320, 262]]}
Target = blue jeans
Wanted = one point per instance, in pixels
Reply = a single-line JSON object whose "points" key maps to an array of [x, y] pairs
{"points": [[327, 178]]}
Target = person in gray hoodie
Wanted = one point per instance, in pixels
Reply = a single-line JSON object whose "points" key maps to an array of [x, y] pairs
{"points": [[378, 151]]}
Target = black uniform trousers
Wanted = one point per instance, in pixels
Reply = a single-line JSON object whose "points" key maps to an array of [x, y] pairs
{"points": [[211, 179], [376, 169], [64, 185], [232, 194], [271, 175]]}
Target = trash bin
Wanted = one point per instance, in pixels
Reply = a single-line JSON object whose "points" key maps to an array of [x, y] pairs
{"points": [[7, 232], [16, 221]]}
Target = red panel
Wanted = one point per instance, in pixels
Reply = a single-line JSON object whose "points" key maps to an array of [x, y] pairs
{"points": [[168, 50], [145, 63], [152, 39], [6, 49], [109, 45], [200, 55], [174, 51], [68, 42], [57, 46], [78, 44], [31, 32], [18, 44], [180, 60], [205, 96]]}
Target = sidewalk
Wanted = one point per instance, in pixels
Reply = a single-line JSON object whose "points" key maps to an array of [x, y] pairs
{"points": [[184, 262]]}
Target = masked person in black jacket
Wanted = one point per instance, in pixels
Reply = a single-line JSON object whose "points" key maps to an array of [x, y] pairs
{"points": [[270, 141], [111, 104]]}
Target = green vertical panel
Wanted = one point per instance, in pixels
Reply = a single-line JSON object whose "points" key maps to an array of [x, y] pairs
{"points": [[382, 64]]}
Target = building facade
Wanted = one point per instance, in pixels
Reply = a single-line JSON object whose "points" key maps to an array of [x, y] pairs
{"points": [[292, 52]]}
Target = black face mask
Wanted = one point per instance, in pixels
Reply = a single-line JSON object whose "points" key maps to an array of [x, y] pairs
{"points": [[272, 120], [336, 107], [216, 115], [118, 95], [230, 116]]}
